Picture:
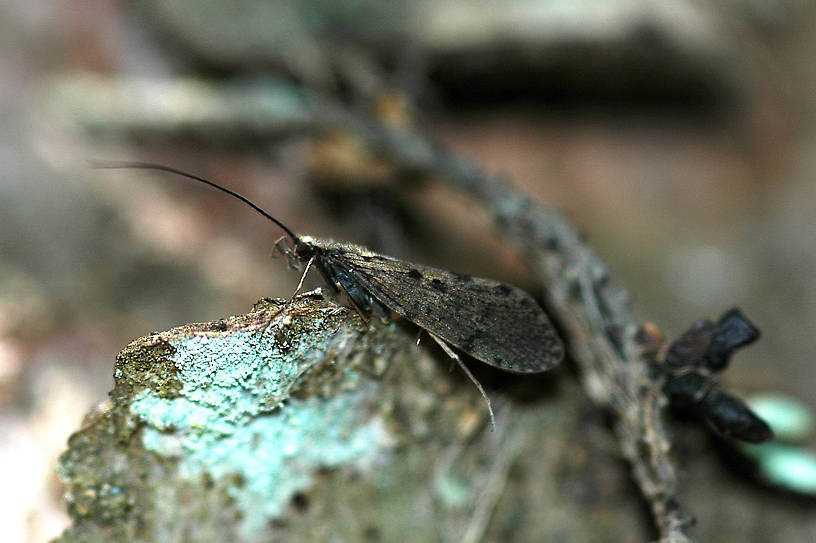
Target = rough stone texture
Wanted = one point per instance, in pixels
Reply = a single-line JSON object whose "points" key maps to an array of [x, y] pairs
{"points": [[319, 428], [211, 429]]}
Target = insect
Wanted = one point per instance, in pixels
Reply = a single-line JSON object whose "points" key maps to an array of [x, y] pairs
{"points": [[691, 364], [495, 323]]}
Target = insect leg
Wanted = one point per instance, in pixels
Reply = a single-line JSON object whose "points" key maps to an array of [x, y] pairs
{"points": [[300, 284], [450, 353], [271, 320], [282, 246], [302, 278]]}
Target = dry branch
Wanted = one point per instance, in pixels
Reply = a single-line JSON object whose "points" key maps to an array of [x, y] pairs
{"points": [[614, 353]]}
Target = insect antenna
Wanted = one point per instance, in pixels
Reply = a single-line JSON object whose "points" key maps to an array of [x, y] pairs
{"points": [[150, 166]]}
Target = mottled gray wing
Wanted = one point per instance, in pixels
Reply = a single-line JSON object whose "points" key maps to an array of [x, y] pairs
{"points": [[493, 322]]}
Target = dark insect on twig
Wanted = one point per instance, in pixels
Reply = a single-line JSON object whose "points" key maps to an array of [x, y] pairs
{"points": [[691, 363], [492, 322]]}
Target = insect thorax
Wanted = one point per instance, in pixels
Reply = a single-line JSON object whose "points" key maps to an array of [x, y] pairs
{"points": [[329, 246]]}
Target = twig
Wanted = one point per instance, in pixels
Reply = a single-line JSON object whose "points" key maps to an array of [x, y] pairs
{"points": [[593, 309], [604, 337], [495, 483]]}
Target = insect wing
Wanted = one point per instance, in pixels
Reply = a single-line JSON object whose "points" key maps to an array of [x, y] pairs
{"points": [[493, 322]]}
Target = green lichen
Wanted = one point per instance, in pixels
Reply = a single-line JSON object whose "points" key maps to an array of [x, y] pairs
{"points": [[209, 411], [147, 363], [213, 429], [103, 498], [791, 420], [789, 467], [228, 418], [274, 456]]}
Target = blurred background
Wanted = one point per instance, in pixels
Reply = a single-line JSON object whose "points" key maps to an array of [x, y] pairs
{"points": [[678, 135]]}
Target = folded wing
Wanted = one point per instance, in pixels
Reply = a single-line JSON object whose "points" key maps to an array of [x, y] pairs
{"points": [[493, 322]]}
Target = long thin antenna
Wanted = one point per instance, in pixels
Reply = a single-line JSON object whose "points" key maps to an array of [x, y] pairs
{"points": [[103, 164]]}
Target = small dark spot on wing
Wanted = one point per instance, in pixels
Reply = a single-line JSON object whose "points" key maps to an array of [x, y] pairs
{"points": [[414, 273], [528, 303], [439, 285], [503, 290], [465, 278], [487, 313], [467, 345]]}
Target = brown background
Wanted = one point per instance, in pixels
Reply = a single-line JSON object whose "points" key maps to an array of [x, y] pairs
{"points": [[680, 139]]}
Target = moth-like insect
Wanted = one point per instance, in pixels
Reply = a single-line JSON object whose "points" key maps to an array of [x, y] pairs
{"points": [[493, 322]]}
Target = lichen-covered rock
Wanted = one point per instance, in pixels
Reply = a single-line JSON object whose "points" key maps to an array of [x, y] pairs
{"points": [[211, 429], [299, 422]]}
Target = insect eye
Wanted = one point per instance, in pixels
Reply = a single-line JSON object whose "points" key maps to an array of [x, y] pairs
{"points": [[303, 250]]}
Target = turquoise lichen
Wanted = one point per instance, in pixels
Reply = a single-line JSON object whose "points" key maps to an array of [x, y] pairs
{"points": [[453, 491], [790, 467], [234, 421], [783, 463], [226, 380], [792, 421]]}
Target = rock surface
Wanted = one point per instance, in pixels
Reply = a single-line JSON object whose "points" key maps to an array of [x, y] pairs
{"points": [[319, 428]]}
